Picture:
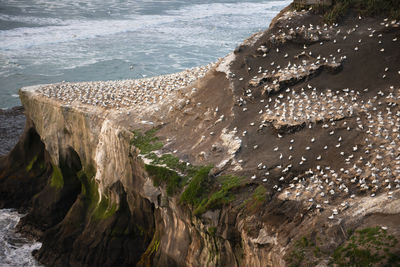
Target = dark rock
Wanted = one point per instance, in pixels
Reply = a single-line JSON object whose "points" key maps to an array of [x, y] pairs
{"points": [[12, 122]]}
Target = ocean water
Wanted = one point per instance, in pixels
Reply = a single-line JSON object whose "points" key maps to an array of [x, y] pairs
{"points": [[46, 41], [14, 249]]}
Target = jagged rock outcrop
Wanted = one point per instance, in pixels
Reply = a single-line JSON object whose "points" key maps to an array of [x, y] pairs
{"points": [[301, 131]]}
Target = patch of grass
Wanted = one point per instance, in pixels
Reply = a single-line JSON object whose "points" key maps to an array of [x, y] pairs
{"points": [[259, 194], [257, 199], [196, 190], [376, 7], [221, 197], [163, 175], [170, 161], [57, 179], [229, 182], [163, 169], [338, 10], [297, 256], [169, 170], [388, 8], [367, 247], [146, 142]]}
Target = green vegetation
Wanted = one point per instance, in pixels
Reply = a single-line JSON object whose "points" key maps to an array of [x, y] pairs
{"points": [[339, 8], [57, 179], [86, 176], [367, 247], [155, 246], [221, 197], [297, 255], [196, 190], [257, 199], [170, 161], [259, 194], [147, 256], [105, 208], [31, 163], [100, 206], [146, 142], [389, 8], [175, 174], [161, 174], [301, 248], [212, 231]]}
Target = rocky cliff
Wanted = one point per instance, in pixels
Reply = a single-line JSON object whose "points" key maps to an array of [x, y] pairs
{"points": [[285, 152]]}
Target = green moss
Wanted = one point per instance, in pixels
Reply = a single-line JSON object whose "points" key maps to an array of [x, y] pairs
{"points": [[146, 258], [230, 182], [196, 190], [161, 175], [212, 231], [31, 163], [89, 187], [155, 246], [221, 197], [98, 208], [140, 229], [367, 247], [299, 256], [146, 142], [170, 171], [259, 194], [104, 209], [257, 199], [296, 256], [57, 179]]}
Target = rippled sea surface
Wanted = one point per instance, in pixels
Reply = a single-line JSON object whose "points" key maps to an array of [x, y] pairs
{"points": [[45, 41], [14, 249]]}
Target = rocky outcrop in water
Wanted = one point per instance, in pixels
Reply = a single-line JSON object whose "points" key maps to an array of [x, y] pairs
{"points": [[285, 152]]}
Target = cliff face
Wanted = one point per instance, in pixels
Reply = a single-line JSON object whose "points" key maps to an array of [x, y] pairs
{"points": [[299, 125]]}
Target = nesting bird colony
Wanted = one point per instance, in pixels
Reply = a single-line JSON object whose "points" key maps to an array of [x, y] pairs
{"points": [[316, 107], [336, 136], [125, 93]]}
